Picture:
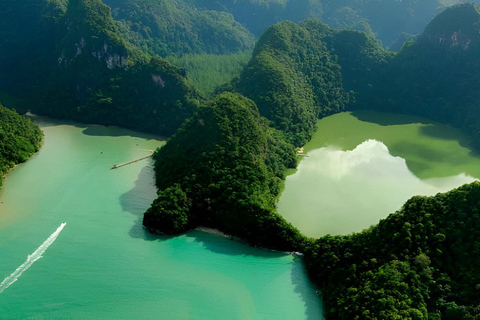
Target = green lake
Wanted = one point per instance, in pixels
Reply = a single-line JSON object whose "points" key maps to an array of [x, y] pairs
{"points": [[101, 264], [359, 167]]}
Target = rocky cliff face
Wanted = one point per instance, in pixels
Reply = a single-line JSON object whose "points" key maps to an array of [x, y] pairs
{"points": [[87, 31], [106, 53], [456, 27]]}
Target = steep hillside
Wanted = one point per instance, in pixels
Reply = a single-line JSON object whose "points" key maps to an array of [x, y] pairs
{"points": [[302, 72], [419, 263], [223, 169], [168, 27], [437, 74], [294, 80], [80, 67]]}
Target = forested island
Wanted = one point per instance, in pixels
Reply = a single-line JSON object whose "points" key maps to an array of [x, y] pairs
{"points": [[232, 142]]}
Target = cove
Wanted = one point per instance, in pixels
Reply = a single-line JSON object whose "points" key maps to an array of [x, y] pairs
{"points": [[102, 264], [361, 167]]}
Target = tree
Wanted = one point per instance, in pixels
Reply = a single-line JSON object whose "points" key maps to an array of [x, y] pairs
{"points": [[169, 213]]}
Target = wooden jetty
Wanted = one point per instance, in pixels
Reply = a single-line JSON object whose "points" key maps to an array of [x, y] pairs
{"points": [[115, 166]]}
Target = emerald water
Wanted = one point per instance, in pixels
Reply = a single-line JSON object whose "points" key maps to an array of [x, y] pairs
{"points": [[363, 166], [102, 264]]}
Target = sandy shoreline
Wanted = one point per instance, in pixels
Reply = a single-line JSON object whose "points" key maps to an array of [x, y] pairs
{"points": [[221, 234]]}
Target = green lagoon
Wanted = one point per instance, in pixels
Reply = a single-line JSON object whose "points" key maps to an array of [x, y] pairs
{"points": [[360, 167], [101, 264]]}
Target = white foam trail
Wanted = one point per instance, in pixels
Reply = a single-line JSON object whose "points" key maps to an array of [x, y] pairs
{"points": [[8, 281]]}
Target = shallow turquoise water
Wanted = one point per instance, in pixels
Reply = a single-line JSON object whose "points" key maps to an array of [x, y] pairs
{"points": [[103, 264]]}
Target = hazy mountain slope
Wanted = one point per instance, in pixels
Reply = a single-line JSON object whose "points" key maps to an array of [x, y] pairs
{"points": [[437, 75], [294, 79], [388, 18], [166, 27]]}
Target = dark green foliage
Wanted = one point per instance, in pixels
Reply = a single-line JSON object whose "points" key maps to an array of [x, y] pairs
{"points": [[169, 212], [362, 61], [23, 26], [299, 73], [294, 78], [389, 19], [230, 165], [19, 139], [85, 70], [168, 27], [437, 74], [151, 97], [421, 260]]}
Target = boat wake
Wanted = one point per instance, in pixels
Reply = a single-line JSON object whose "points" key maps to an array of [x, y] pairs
{"points": [[8, 281]]}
